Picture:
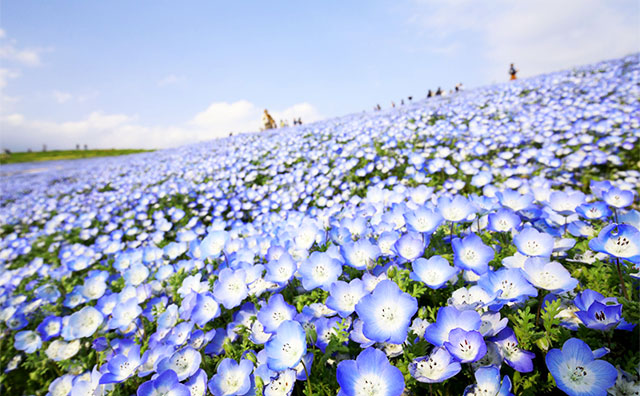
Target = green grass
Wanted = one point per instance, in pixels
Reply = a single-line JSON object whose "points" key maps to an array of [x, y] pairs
{"points": [[63, 155]]}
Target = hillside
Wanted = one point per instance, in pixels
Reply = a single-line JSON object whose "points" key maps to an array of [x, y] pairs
{"points": [[468, 212]]}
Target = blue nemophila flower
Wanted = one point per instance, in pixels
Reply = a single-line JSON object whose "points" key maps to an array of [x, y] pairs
{"points": [[203, 308], [435, 272], [28, 341], [48, 292], [166, 384], [319, 270], [179, 334], [370, 374], [287, 347], [213, 244], [184, 362], [551, 276], [423, 220], [83, 323], [192, 284], [577, 372], [518, 359], [618, 198], [325, 327], [531, 242], [152, 356], [565, 203], [387, 313], [488, 383], [122, 366], [281, 270], [472, 254], [356, 335], [197, 384], [580, 229], [88, 384], [436, 367], [61, 385], [621, 241], [280, 385], [50, 327], [504, 220], [232, 378], [466, 346], [410, 246], [124, 314], [450, 318], [455, 209], [360, 254], [231, 287], [507, 284], [597, 312], [594, 210], [514, 200], [344, 296], [481, 179], [136, 274], [492, 323], [275, 312], [471, 298]]}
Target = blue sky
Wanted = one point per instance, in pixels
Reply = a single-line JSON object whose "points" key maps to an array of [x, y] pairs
{"points": [[164, 73]]}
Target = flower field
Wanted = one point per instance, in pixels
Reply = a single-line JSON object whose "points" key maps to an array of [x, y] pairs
{"points": [[482, 243]]}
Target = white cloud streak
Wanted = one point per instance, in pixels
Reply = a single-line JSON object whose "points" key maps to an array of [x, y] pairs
{"points": [[171, 79]]}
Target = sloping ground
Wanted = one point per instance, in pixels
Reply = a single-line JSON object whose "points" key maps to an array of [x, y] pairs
{"points": [[194, 254]]}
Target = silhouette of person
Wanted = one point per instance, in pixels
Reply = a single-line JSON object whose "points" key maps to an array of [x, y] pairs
{"points": [[513, 71]]}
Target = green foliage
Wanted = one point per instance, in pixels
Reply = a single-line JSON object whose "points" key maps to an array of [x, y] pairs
{"points": [[524, 326], [57, 155]]}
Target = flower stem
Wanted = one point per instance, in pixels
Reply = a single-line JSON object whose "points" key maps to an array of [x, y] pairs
{"points": [[622, 285], [540, 302], [451, 232], [308, 378]]}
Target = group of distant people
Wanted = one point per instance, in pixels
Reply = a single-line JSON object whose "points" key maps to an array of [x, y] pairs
{"points": [[269, 123], [457, 88]]}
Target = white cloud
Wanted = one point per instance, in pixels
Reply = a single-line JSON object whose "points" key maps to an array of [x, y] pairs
{"points": [[99, 130], [6, 75], [171, 79], [62, 97], [26, 57], [23, 56], [539, 36]]}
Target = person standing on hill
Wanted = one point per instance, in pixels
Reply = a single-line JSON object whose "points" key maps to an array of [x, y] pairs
{"points": [[268, 121], [513, 71]]}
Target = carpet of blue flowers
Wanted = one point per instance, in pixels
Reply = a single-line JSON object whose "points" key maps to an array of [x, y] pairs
{"points": [[483, 243]]}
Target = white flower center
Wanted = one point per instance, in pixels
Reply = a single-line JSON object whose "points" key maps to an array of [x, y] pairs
{"points": [[531, 248], [429, 368], [470, 256], [361, 258], [507, 289], [320, 272], [231, 383], [370, 385], [387, 313], [619, 246]]}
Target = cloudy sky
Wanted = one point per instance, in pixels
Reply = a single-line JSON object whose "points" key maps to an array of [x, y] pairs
{"points": [[153, 74]]}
